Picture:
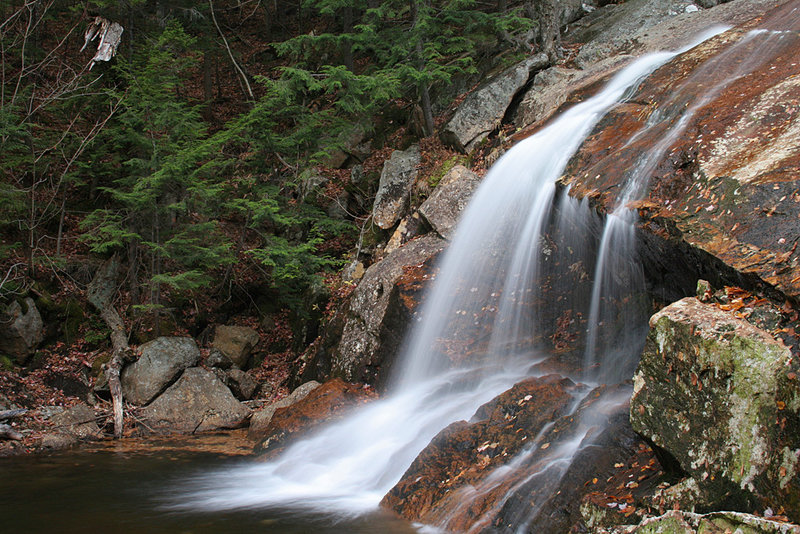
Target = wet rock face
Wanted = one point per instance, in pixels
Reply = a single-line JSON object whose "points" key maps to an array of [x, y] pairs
{"points": [[323, 404], [723, 398], [160, 363], [464, 453], [460, 482], [725, 184], [261, 419]]}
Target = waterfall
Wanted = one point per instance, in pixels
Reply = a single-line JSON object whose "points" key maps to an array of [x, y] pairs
{"points": [[477, 336]]}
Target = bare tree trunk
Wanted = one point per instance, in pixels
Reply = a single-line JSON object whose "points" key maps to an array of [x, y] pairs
{"points": [[101, 294]]}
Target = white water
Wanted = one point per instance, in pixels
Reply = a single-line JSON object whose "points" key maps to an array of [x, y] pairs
{"points": [[475, 340]]}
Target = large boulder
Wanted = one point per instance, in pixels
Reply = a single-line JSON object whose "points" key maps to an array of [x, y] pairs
{"points": [[161, 362], [79, 421], [377, 314], [721, 396], [323, 404], [443, 208], [197, 402], [261, 418], [21, 329], [236, 342], [397, 180], [483, 110]]}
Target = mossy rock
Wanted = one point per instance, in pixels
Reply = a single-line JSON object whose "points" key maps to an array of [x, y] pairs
{"points": [[6, 363], [722, 397], [99, 361]]}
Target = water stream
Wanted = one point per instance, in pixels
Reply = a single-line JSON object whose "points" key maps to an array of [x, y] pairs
{"points": [[477, 337]]}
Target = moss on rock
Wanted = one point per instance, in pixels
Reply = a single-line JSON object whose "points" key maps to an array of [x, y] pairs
{"points": [[713, 391]]}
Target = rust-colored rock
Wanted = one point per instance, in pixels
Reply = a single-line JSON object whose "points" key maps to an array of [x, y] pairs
{"points": [[727, 183], [460, 481], [328, 402]]}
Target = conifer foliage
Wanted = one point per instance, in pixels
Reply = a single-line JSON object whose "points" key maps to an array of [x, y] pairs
{"points": [[185, 155]]}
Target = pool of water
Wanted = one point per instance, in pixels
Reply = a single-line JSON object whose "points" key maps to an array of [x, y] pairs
{"points": [[122, 488]]}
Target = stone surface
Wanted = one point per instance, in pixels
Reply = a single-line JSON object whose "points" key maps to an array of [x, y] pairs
{"points": [[397, 179], [79, 421], [323, 404], [677, 522], [161, 362], [722, 397], [617, 28], [377, 315], [21, 330], [483, 110], [242, 385], [410, 227], [217, 359], [58, 441], [732, 199], [443, 208], [236, 342], [261, 418], [197, 402]]}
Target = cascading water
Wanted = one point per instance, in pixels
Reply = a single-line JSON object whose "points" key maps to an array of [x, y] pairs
{"points": [[477, 336]]}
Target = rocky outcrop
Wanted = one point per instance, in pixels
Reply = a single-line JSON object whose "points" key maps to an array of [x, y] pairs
{"points": [[322, 404], [443, 208], [21, 329], [161, 362], [460, 481], [721, 396], [261, 419], [483, 110], [362, 340], [236, 342], [730, 199], [612, 36], [397, 179], [197, 402], [676, 522], [618, 25]]}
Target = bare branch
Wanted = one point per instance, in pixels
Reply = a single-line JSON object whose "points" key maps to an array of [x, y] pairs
{"points": [[230, 52]]}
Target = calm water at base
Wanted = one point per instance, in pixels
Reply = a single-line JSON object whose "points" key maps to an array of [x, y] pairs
{"points": [[121, 490]]}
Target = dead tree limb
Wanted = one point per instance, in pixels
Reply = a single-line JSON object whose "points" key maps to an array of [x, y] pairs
{"points": [[101, 294], [230, 53]]}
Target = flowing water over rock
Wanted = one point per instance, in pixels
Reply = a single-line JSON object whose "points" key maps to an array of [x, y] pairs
{"points": [[480, 333]]}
